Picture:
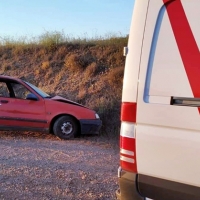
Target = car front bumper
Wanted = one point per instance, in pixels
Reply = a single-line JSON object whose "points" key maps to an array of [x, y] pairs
{"points": [[90, 126]]}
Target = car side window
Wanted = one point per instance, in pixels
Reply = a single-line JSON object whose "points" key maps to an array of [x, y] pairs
{"points": [[19, 90], [4, 92]]}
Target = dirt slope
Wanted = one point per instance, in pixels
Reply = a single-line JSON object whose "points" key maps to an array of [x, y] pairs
{"points": [[90, 74]]}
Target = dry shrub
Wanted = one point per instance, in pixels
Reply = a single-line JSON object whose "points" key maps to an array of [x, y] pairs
{"points": [[40, 53], [71, 62], [20, 49], [102, 51], [45, 65], [85, 60], [48, 74], [78, 62], [60, 53], [95, 69], [6, 56], [91, 70], [109, 112], [115, 76], [57, 78], [37, 72], [5, 68], [116, 59], [82, 93]]}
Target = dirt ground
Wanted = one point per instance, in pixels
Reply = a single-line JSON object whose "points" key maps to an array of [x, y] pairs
{"points": [[40, 166]]}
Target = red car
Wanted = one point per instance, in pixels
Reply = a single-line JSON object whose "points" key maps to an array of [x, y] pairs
{"points": [[23, 106]]}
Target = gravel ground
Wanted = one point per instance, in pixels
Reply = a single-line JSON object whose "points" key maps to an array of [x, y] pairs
{"points": [[40, 166]]}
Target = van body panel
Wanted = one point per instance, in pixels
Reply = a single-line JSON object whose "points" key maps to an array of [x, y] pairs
{"points": [[168, 153], [134, 48], [167, 136], [162, 76]]}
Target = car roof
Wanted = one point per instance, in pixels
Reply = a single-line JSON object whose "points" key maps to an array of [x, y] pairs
{"points": [[9, 78]]}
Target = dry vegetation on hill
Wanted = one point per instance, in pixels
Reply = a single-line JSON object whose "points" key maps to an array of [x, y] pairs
{"points": [[89, 72]]}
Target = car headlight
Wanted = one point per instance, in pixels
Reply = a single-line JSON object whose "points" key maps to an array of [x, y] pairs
{"points": [[97, 116]]}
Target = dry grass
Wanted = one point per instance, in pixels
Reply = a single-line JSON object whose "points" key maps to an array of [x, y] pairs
{"points": [[115, 76], [91, 70], [71, 63], [45, 65]]}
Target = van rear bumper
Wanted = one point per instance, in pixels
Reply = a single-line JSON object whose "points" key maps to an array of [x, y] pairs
{"points": [[127, 186], [162, 189], [137, 186]]}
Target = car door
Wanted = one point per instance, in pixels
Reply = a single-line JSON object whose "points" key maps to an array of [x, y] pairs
{"points": [[17, 112]]}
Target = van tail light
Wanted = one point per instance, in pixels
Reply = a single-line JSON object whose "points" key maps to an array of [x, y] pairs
{"points": [[127, 137], [128, 112]]}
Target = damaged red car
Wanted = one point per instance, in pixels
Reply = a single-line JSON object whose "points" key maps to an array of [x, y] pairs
{"points": [[25, 107]]}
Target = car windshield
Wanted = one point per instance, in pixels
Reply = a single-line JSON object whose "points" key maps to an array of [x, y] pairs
{"points": [[39, 91]]}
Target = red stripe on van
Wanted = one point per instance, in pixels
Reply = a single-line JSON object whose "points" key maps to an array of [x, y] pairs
{"points": [[187, 45], [130, 145], [128, 112], [128, 166]]}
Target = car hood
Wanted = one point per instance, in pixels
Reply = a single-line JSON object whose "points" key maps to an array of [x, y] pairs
{"points": [[61, 99]]}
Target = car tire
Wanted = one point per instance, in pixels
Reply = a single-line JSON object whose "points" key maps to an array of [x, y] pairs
{"points": [[65, 127]]}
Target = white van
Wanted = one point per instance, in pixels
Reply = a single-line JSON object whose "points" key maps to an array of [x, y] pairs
{"points": [[160, 114]]}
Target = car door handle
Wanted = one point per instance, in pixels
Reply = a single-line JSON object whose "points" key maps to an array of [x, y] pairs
{"points": [[4, 101]]}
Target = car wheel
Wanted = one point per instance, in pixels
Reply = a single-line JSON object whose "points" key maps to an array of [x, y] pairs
{"points": [[65, 127]]}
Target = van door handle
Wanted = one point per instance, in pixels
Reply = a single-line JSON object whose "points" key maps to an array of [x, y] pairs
{"points": [[185, 101], [4, 101]]}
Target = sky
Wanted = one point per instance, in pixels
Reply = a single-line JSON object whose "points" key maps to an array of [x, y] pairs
{"points": [[76, 18]]}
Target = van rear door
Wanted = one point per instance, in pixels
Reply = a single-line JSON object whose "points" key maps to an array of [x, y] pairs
{"points": [[168, 114], [130, 86]]}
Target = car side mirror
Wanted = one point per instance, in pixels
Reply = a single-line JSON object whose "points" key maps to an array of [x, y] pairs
{"points": [[31, 96]]}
